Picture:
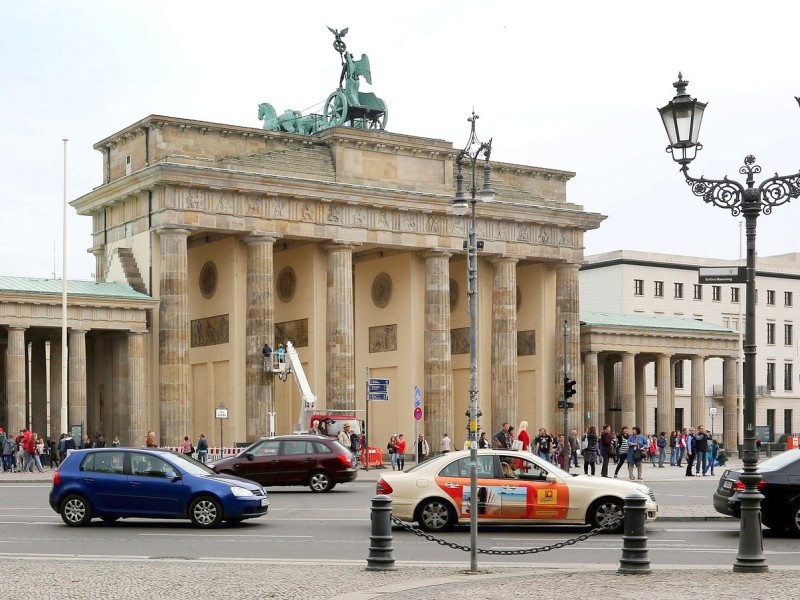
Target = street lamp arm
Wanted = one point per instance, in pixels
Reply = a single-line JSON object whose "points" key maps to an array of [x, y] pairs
{"points": [[778, 190], [724, 192]]}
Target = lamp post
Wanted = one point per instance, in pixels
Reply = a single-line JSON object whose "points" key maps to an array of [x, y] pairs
{"points": [[682, 117], [471, 154]]}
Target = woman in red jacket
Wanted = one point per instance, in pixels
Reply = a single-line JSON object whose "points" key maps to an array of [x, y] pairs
{"points": [[523, 436], [401, 452]]}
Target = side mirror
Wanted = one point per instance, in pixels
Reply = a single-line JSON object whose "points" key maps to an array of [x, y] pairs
{"points": [[171, 475], [551, 477], [249, 456]]}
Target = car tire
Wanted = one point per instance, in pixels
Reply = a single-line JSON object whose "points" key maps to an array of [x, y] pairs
{"points": [[793, 520], [435, 515], [320, 481], [205, 512], [605, 510], [75, 511]]}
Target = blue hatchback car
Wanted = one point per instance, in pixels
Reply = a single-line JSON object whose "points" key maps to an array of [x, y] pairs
{"points": [[117, 483]]}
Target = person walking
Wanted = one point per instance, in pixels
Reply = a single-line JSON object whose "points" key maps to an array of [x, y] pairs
{"points": [[391, 447], [606, 446], [590, 451], [501, 438], [483, 441], [401, 452], [186, 447], [202, 448], [636, 449], [661, 445], [423, 449], [446, 444], [622, 450], [523, 436], [543, 444], [690, 452], [713, 453], [150, 442]]}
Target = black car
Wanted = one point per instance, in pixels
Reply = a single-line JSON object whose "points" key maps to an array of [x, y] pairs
{"points": [[780, 486], [313, 460]]}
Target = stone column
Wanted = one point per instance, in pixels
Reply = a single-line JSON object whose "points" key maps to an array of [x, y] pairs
{"points": [[57, 426], [568, 309], [259, 330], [76, 380], [666, 398], [610, 391], [628, 385], [15, 379], [341, 374], [698, 390], [39, 387], [730, 415], [99, 253], [605, 400], [591, 394], [116, 415], [173, 331], [438, 369], [640, 385], [134, 432], [504, 343]]}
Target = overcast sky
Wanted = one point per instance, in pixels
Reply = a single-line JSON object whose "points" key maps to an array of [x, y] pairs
{"points": [[566, 85]]}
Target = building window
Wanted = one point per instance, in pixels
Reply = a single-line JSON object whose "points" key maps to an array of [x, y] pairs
{"points": [[679, 374], [659, 290], [788, 334], [770, 297], [638, 287], [698, 291], [734, 294], [770, 425], [770, 333], [770, 375], [787, 298], [726, 322], [787, 421], [716, 293], [679, 290], [787, 377]]}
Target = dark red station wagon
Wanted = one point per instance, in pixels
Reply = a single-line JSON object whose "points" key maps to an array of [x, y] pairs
{"points": [[313, 460]]}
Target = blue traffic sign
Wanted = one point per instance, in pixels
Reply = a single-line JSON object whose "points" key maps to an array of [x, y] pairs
{"points": [[378, 389], [417, 396]]}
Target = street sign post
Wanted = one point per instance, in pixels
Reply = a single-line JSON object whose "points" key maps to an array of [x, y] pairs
{"points": [[722, 275]]}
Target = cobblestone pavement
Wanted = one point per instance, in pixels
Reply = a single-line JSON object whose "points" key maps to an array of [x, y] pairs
{"points": [[165, 579]]}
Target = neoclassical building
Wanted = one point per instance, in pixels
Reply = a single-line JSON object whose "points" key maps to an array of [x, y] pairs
{"points": [[343, 242]]}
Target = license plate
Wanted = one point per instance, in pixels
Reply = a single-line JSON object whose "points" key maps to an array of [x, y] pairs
{"points": [[265, 502], [727, 484]]}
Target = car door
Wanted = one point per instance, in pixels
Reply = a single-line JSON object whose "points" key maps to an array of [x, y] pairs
{"points": [[105, 480], [155, 488], [526, 492], [261, 463], [454, 480], [296, 459]]}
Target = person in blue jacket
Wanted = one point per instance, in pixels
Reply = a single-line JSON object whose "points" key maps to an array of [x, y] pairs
{"points": [[636, 449]]}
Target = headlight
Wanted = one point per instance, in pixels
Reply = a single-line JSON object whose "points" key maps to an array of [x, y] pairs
{"points": [[240, 491]]}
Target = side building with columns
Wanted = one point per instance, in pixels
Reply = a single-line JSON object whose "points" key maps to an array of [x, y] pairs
{"points": [[663, 286], [343, 242]]}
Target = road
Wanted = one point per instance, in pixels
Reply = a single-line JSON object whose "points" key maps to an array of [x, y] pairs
{"points": [[306, 526]]}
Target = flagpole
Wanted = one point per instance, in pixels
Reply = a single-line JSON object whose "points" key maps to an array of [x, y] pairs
{"points": [[64, 356]]}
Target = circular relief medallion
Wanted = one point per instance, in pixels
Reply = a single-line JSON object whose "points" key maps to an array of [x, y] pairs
{"points": [[287, 284], [453, 295], [381, 290], [208, 279]]}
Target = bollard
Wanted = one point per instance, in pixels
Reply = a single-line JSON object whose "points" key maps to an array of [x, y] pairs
{"points": [[380, 549], [635, 560]]}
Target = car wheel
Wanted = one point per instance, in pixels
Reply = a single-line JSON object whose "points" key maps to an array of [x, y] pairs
{"points": [[320, 481], [793, 522], [75, 511], [435, 515], [205, 512], [605, 511]]}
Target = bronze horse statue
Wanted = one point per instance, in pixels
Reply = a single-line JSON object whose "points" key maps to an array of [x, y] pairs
{"points": [[291, 121]]}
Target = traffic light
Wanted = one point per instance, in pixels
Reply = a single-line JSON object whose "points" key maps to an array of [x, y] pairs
{"points": [[569, 392]]}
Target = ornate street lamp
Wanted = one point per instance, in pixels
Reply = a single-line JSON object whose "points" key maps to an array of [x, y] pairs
{"points": [[682, 118], [471, 154]]}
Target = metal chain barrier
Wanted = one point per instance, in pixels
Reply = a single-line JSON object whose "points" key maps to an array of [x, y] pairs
{"points": [[454, 546]]}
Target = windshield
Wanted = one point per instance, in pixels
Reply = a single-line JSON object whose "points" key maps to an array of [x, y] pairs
{"points": [[781, 460], [190, 465]]}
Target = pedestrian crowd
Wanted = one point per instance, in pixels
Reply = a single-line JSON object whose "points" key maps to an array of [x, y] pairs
{"points": [[26, 451]]}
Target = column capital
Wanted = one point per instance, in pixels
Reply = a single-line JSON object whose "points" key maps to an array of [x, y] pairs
{"points": [[503, 260], [567, 266], [174, 230], [259, 237], [436, 253], [16, 327], [335, 246]]}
